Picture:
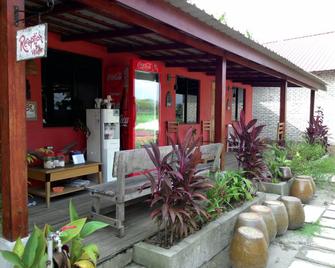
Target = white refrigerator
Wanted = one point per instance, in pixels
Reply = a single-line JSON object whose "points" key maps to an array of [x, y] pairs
{"points": [[104, 138]]}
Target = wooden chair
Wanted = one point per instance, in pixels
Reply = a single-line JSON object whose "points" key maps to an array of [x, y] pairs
{"points": [[206, 127], [281, 131], [171, 129]]}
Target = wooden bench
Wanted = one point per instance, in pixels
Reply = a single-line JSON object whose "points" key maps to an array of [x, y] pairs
{"points": [[129, 168]]}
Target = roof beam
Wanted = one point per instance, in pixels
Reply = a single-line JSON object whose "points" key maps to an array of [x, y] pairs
{"points": [[191, 64], [180, 57], [143, 48], [106, 34]]}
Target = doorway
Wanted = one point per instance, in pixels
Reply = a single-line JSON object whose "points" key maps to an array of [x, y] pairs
{"points": [[147, 108]]}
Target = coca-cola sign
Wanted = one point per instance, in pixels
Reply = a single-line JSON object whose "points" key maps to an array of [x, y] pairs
{"points": [[32, 42]]}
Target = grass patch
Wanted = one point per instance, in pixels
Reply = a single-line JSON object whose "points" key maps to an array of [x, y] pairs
{"points": [[310, 229]]}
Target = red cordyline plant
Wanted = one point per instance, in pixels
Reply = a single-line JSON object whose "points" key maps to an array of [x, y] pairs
{"points": [[251, 147], [178, 200], [317, 132]]}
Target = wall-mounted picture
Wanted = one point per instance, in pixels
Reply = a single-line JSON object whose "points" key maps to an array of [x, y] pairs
{"points": [[31, 110]]}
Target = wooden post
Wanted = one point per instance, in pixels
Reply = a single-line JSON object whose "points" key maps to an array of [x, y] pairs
{"points": [[312, 105], [282, 111], [13, 127], [220, 106]]}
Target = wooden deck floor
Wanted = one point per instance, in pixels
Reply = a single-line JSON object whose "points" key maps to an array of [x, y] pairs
{"points": [[139, 226]]}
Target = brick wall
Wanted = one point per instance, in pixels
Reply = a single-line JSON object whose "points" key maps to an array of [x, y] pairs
{"points": [[266, 108]]}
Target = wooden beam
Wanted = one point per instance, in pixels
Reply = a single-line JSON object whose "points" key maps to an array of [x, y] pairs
{"points": [[105, 34], [191, 64], [12, 127], [204, 68], [143, 48], [312, 105], [282, 111], [220, 106], [180, 57]]}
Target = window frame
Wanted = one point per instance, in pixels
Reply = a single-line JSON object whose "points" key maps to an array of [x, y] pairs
{"points": [[185, 95]]}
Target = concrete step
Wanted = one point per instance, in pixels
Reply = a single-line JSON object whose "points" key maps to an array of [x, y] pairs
{"points": [[313, 213], [326, 233], [323, 243], [329, 214], [325, 222], [318, 256], [305, 264]]}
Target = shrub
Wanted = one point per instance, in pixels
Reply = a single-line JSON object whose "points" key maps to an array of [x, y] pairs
{"points": [[177, 196], [317, 132], [304, 151], [251, 147], [275, 157], [230, 188]]}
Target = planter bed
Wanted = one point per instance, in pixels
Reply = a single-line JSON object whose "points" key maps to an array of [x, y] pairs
{"points": [[281, 188], [196, 249]]}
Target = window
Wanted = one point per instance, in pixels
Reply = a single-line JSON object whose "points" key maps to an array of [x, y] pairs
{"points": [[187, 100], [70, 83], [238, 103]]}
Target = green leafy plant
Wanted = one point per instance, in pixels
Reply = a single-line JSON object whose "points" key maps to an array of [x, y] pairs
{"points": [[230, 188], [33, 254], [275, 157]]}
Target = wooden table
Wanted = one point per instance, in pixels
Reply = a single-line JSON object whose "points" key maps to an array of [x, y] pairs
{"points": [[57, 174]]}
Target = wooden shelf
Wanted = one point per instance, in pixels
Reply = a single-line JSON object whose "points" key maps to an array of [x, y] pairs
{"points": [[67, 190]]}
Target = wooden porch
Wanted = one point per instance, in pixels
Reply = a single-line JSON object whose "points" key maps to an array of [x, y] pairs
{"points": [[138, 224]]}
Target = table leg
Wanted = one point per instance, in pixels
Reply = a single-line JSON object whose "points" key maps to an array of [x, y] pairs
{"points": [[47, 193]]}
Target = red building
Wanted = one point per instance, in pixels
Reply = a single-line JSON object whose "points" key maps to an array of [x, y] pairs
{"points": [[204, 70]]}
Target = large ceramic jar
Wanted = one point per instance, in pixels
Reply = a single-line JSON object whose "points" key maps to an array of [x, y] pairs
{"points": [[268, 218], [295, 212], [280, 214], [248, 248], [302, 189], [308, 178], [252, 219]]}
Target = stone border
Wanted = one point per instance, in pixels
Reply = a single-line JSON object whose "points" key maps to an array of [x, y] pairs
{"points": [[196, 249], [281, 188]]}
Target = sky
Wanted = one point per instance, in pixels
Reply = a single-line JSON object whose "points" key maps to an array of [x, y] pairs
{"points": [[272, 20]]}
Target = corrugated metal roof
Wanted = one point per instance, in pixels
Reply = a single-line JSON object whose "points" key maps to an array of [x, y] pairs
{"points": [[201, 15], [312, 53]]}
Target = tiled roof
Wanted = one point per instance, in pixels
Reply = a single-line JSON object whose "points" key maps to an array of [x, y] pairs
{"points": [[312, 53]]}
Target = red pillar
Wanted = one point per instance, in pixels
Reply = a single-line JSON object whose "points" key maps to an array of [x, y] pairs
{"points": [[12, 127], [312, 105], [220, 105], [282, 112]]}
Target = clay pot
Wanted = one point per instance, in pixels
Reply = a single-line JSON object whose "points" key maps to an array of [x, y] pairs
{"points": [[248, 248], [286, 173], [268, 218], [295, 212], [252, 220], [302, 189], [280, 214], [308, 178]]}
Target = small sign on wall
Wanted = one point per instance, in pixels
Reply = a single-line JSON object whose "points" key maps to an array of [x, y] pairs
{"points": [[31, 110], [32, 42]]}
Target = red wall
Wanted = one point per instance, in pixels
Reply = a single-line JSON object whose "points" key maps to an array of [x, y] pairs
{"points": [[38, 136]]}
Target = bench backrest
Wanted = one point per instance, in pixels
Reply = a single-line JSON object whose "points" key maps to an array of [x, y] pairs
{"points": [[136, 160]]}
